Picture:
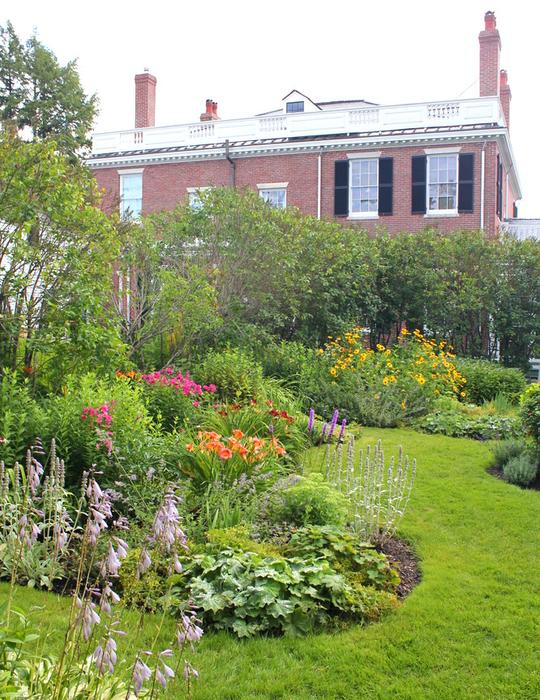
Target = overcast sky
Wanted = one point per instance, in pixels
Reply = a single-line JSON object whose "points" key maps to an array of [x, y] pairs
{"points": [[247, 55]]}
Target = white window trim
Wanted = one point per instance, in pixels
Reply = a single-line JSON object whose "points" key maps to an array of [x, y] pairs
{"points": [[364, 155], [365, 215], [442, 213], [131, 171]]}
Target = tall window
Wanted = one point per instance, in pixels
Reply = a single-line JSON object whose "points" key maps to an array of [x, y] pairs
{"points": [[442, 183], [364, 186], [131, 195]]}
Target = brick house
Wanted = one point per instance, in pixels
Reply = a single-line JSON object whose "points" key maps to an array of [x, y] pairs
{"points": [[445, 164]]}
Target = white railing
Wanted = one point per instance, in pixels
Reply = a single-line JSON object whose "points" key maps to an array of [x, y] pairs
{"points": [[522, 228], [478, 110]]}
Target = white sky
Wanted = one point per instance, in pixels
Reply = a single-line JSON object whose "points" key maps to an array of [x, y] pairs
{"points": [[246, 55]]}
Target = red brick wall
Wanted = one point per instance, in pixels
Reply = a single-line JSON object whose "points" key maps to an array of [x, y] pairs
{"points": [[490, 49], [165, 185], [145, 100]]}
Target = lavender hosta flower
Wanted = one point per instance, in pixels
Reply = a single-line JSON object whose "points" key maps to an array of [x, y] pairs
{"points": [[145, 562], [333, 424], [141, 673], [311, 420], [108, 597], [105, 656], [342, 430], [166, 530], [88, 617], [60, 536], [189, 671], [99, 510], [188, 630], [150, 473], [163, 673], [271, 429], [28, 531], [35, 472]]}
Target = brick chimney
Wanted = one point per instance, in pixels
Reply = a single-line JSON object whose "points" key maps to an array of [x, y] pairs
{"points": [[506, 96], [145, 100], [211, 112], [490, 49]]}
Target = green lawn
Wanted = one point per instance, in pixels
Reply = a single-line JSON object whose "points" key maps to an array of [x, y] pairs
{"points": [[470, 630]]}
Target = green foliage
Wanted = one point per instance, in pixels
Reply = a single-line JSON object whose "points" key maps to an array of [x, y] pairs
{"points": [[457, 424], [84, 442], [57, 251], [145, 593], [530, 412], [506, 450], [36, 91], [487, 380], [521, 469], [305, 500], [234, 372], [248, 593], [344, 552], [238, 539], [20, 418]]}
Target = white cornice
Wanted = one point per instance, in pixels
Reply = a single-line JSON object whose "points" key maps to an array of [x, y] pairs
{"points": [[299, 147]]}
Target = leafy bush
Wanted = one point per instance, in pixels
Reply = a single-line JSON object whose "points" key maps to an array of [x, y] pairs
{"points": [[171, 396], [392, 384], [237, 376], [486, 380], [20, 418], [100, 422], [456, 424], [144, 593], [248, 593], [238, 539], [530, 412], [521, 470], [305, 500]]}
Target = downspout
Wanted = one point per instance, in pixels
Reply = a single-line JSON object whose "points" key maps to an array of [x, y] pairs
{"points": [[232, 163], [482, 184], [319, 183]]}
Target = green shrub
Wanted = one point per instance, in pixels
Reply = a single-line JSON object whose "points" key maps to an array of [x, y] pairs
{"points": [[20, 418], [83, 441], [248, 593], [238, 539], [485, 380], [142, 592], [521, 470], [305, 500], [506, 450], [530, 412], [477, 427], [237, 376]]}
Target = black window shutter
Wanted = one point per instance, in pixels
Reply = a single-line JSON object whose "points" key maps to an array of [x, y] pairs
{"points": [[515, 212], [418, 198], [499, 187], [466, 183], [341, 188], [386, 185]]}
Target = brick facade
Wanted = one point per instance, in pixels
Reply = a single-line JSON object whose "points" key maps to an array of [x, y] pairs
{"points": [[165, 184]]}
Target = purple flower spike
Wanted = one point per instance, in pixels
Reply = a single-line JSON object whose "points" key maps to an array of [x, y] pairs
{"points": [[323, 433], [311, 419], [342, 431], [333, 424]]}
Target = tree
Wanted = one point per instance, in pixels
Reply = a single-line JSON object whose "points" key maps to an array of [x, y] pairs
{"points": [[56, 253], [38, 93]]}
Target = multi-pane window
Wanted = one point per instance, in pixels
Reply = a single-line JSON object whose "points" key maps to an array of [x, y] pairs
{"points": [[276, 197], [196, 197], [442, 183], [295, 106], [364, 186], [131, 195]]}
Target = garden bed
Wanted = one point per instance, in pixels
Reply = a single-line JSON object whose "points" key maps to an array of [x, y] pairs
{"points": [[402, 556]]}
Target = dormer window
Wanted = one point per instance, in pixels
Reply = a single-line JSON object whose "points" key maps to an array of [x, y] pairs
{"points": [[295, 106]]}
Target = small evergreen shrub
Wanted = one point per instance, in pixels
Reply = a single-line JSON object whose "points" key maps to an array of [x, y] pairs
{"points": [[305, 500], [506, 450], [20, 418], [485, 380], [521, 470]]}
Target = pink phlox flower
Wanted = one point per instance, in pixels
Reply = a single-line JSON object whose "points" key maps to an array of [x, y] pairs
{"points": [[196, 404], [212, 388]]}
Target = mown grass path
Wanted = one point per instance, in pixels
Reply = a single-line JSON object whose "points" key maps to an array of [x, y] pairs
{"points": [[471, 629]]}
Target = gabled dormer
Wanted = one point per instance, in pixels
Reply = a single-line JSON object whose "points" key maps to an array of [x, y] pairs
{"points": [[298, 102]]}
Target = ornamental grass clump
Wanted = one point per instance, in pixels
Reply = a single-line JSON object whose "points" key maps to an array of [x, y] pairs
{"points": [[378, 494]]}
